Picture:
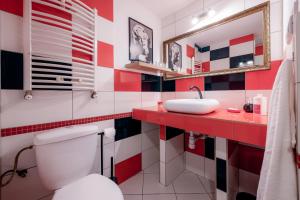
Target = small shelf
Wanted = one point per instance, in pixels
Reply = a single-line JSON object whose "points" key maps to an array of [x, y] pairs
{"points": [[137, 65]]}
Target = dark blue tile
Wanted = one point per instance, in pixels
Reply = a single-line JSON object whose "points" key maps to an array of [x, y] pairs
{"points": [[168, 86], [210, 148], [127, 127], [225, 82], [205, 49], [173, 132], [221, 174], [11, 70], [235, 61], [151, 83], [219, 53]]}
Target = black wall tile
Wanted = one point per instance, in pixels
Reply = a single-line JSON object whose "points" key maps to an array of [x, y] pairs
{"points": [[173, 132], [235, 61], [205, 49], [151, 83], [210, 148], [11, 70], [225, 82], [168, 86], [221, 175], [219, 53], [127, 127]]}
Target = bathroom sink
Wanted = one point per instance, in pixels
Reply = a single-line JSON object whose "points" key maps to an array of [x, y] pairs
{"points": [[192, 106]]}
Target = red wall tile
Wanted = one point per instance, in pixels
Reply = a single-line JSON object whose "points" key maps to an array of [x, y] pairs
{"points": [[242, 39], [127, 81], [105, 54], [250, 159], [259, 50], [105, 7], [185, 84], [262, 80], [206, 66], [199, 150], [190, 51], [128, 168], [12, 6]]}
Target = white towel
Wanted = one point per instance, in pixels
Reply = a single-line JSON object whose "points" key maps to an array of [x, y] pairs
{"points": [[278, 178]]}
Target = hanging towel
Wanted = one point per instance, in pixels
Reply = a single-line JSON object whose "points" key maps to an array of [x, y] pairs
{"points": [[278, 178]]}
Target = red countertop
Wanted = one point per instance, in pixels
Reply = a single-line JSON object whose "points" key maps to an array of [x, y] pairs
{"points": [[243, 127]]}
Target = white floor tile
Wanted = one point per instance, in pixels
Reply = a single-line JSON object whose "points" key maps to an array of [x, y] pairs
{"points": [[152, 185], [159, 197], [153, 169], [133, 185], [209, 185], [188, 183], [192, 197], [133, 197]]}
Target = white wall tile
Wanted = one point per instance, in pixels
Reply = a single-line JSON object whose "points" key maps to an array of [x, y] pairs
{"points": [[252, 93], [150, 139], [194, 163], [174, 147], [150, 156], [248, 182], [241, 49], [11, 32], [276, 16], [252, 3], [168, 32], [221, 148], [28, 188], [187, 95], [205, 57], [225, 98], [210, 169], [10, 147], [219, 64], [168, 95], [168, 20], [103, 125], [276, 46], [85, 106], [127, 148], [46, 106], [105, 30], [104, 79], [150, 98], [219, 45], [146, 127], [126, 101], [108, 152], [174, 168], [196, 7]]}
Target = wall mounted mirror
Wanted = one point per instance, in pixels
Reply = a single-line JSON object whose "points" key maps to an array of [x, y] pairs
{"points": [[238, 43]]}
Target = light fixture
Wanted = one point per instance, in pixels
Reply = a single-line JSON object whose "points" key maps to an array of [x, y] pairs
{"points": [[209, 13]]}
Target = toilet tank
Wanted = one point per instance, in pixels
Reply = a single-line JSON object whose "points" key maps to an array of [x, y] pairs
{"points": [[65, 154]]}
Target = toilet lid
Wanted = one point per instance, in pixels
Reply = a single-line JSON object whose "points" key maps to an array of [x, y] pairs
{"points": [[91, 187]]}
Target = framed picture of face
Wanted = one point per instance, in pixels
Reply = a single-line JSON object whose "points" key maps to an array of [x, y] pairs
{"points": [[174, 56], [140, 42]]}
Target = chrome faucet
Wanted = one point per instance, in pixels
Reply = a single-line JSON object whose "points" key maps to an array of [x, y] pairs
{"points": [[198, 90]]}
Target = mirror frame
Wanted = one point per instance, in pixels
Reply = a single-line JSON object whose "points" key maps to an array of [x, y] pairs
{"points": [[264, 7]]}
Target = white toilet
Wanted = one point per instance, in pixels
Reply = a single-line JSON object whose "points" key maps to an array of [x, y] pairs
{"points": [[65, 157]]}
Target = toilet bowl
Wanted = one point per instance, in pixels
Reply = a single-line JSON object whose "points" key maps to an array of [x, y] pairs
{"points": [[65, 157]]}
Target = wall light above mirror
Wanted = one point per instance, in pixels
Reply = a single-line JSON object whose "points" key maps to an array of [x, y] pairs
{"points": [[234, 44]]}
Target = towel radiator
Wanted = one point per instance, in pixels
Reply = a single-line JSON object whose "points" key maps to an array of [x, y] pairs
{"points": [[60, 46]]}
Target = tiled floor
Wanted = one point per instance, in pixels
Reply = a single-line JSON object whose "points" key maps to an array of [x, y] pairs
{"points": [[187, 186]]}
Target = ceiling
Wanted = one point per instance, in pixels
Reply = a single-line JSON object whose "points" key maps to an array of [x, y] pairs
{"points": [[163, 8]]}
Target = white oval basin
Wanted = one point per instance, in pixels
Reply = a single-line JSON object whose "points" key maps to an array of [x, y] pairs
{"points": [[192, 106]]}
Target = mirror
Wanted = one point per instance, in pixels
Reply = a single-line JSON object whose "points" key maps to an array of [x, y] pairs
{"points": [[235, 44]]}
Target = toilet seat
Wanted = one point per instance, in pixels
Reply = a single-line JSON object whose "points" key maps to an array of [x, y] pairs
{"points": [[91, 187]]}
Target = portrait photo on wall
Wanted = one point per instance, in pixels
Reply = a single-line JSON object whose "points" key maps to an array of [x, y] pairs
{"points": [[174, 56], [140, 42]]}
